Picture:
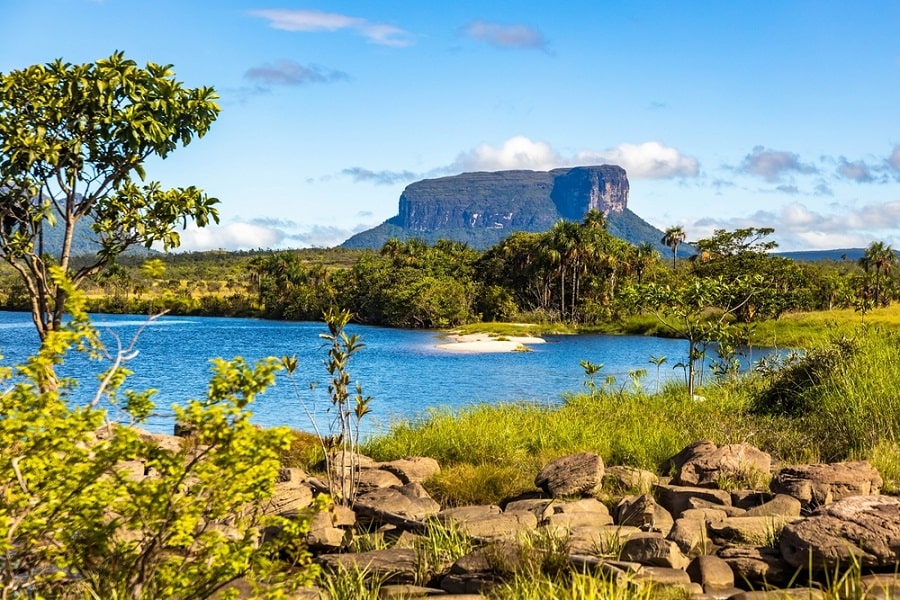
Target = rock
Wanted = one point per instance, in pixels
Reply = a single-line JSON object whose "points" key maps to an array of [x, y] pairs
{"points": [[604, 540], [762, 531], [535, 505], [780, 505], [587, 512], [748, 499], [862, 530], [664, 577], [756, 565], [328, 539], [391, 566], [690, 535], [489, 522], [703, 464], [815, 485], [880, 586], [628, 480], [291, 494], [677, 499], [413, 469], [475, 583], [572, 475], [644, 513], [712, 573], [410, 501], [653, 550], [787, 594], [372, 479]]}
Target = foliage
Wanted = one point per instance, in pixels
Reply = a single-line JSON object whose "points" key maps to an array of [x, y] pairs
{"points": [[99, 506], [74, 137], [341, 445]]}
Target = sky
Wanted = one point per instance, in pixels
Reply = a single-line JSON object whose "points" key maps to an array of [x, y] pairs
{"points": [[725, 114]]}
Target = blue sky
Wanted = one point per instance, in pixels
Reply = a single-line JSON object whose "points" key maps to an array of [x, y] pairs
{"points": [[725, 114]]}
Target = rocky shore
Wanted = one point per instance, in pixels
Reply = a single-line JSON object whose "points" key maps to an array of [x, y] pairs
{"points": [[725, 524]]}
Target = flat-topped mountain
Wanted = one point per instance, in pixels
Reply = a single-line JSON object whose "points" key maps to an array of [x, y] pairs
{"points": [[483, 208]]}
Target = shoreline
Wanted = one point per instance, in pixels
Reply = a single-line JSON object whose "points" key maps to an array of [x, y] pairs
{"points": [[484, 342]]}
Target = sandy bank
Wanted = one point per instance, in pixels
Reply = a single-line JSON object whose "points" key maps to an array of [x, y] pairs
{"points": [[483, 342]]}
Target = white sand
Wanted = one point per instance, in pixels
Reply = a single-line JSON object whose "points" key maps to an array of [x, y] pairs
{"points": [[482, 342]]}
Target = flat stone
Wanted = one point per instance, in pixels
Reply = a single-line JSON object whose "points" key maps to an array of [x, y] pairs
{"points": [[781, 504], [629, 480], [862, 530], [754, 531], [690, 535], [756, 565], [645, 513], [409, 592], [573, 475], [676, 499], [409, 501], [815, 485], [604, 540], [391, 566], [712, 573], [369, 478], [662, 577], [704, 464], [785, 594], [413, 469], [653, 550]]}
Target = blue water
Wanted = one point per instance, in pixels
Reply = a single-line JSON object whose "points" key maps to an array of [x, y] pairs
{"points": [[403, 370]]}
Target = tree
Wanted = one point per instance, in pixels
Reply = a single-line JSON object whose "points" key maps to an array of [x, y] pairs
{"points": [[74, 142], [673, 237], [882, 258]]}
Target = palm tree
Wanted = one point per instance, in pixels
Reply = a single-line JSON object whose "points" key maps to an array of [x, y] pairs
{"points": [[882, 258], [673, 237]]}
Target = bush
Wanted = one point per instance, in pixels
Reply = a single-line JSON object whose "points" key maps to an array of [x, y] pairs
{"points": [[79, 516]]}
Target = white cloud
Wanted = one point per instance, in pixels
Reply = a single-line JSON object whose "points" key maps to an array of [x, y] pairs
{"points": [[799, 227], [894, 160], [233, 236], [649, 160], [517, 152], [314, 20]]}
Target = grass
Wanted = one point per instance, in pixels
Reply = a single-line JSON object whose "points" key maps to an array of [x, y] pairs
{"points": [[842, 404]]}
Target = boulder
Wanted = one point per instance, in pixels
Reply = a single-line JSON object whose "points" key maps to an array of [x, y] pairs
{"points": [[573, 475], [815, 485], [409, 501], [645, 513], [761, 531], [391, 566], [653, 550], [756, 566], [677, 499], [489, 522], [703, 464], [780, 505], [587, 512], [370, 478], [712, 573], [862, 530], [413, 469], [629, 480], [291, 495], [690, 535]]}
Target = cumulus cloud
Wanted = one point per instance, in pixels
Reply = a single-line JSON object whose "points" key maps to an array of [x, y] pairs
{"points": [[800, 227], [650, 160], [314, 20], [771, 165], [233, 236], [286, 72], [855, 171], [267, 233], [361, 175], [517, 152], [505, 36]]}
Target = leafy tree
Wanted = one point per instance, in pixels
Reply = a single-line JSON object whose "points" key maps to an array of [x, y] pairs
{"points": [[699, 310], [674, 237], [882, 259], [74, 142], [725, 243]]}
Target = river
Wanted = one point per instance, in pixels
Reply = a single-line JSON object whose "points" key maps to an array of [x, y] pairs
{"points": [[403, 370]]}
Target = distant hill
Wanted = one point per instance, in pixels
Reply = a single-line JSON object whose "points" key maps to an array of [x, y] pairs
{"points": [[485, 207], [851, 254]]}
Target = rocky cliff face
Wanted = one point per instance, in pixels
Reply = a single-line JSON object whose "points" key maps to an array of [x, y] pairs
{"points": [[483, 208], [511, 200]]}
